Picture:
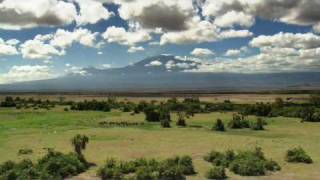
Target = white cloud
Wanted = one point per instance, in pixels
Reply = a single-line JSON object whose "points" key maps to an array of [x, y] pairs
{"points": [[236, 52], [134, 49], [232, 18], [26, 73], [18, 14], [200, 52], [298, 12], [8, 48], [38, 49], [203, 31], [154, 63], [76, 70], [64, 39], [299, 40], [121, 36], [91, 11], [235, 34]]}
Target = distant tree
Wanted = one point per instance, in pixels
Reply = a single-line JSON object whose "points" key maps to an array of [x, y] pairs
{"points": [[79, 143], [181, 119], [219, 125], [258, 125]]}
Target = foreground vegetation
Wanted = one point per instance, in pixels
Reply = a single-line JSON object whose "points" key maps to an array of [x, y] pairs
{"points": [[124, 132]]}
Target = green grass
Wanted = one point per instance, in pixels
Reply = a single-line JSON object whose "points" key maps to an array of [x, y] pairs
{"points": [[38, 129]]}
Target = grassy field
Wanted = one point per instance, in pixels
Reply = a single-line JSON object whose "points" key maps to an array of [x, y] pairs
{"points": [[39, 129]]}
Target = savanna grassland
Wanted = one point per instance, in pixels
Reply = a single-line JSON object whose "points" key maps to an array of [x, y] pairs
{"points": [[38, 129]]}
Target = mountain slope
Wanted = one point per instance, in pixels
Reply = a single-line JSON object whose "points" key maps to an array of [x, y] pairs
{"points": [[167, 73]]}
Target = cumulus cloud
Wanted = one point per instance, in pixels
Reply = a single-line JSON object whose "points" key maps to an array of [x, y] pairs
{"points": [[64, 39], [17, 14], [26, 73], [134, 49], [8, 48], [232, 18], [200, 52], [298, 12], [282, 52], [121, 36], [38, 49], [44, 47], [236, 52], [91, 11], [166, 14]]}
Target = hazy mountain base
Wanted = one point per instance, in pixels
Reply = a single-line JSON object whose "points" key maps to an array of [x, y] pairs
{"points": [[175, 81]]}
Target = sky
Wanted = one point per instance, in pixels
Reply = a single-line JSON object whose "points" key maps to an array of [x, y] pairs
{"points": [[43, 39]]}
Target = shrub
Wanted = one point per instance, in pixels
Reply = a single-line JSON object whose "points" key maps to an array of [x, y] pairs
{"points": [[219, 125], [217, 172], [54, 165], [257, 125], [181, 120], [272, 166], [298, 155], [25, 151], [238, 122], [165, 123], [173, 168], [246, 163]]}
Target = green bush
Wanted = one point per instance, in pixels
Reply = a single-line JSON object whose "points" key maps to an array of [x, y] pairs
{"points": [[298, 155], [246, 163], [219, 125], [181, 120], [217, 172], [54, 165], [238, 122], [257, 125], [173, 168]]}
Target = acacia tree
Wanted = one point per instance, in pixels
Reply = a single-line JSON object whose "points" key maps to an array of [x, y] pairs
{"points": [[79, 143]]}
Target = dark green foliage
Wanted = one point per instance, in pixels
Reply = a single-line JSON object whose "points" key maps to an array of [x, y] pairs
{"points": [[25, 151], [143, 169], [54, 166], [92, 106], [219, 125], [258, 109], [217, 172], [165, 118], [238, 122], [8, 102], [298, 155], [246, 163], [258, 124], [152, 114]]}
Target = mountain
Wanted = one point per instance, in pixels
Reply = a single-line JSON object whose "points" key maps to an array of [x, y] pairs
{"points": [[169, 73]]}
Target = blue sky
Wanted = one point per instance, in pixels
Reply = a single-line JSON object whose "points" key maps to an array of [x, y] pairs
{"points": [[254, 37]]}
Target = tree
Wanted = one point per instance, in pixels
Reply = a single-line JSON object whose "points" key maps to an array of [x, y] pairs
{"points": [[315, 100], [219, 125], [79, 143], [181, 120]]}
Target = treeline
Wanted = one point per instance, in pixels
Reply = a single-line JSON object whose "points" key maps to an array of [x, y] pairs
{"points": [[156, 111]]}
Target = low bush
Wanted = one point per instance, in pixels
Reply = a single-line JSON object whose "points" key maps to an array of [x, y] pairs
{"points": [[246, 163], [219, 125], [54, 165], [298, 155], [257, 125], [238, 122], [217, 172], [173, 168], [25, 151]]}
